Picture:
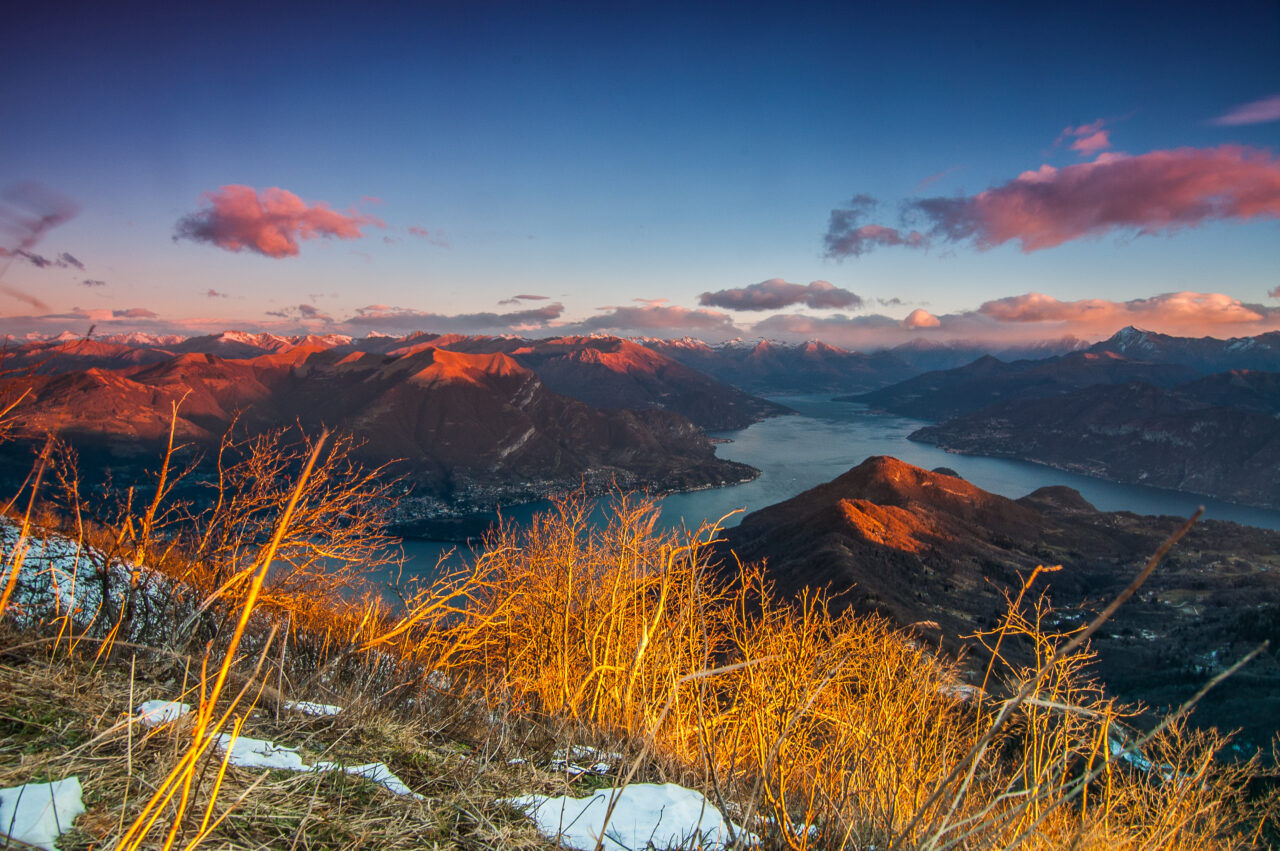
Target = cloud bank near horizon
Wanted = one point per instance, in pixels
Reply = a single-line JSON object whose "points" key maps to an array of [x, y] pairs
{"points": [[1011, 321], [270, 222]]}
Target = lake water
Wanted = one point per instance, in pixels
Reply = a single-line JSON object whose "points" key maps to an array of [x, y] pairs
{"points": [[795, 453]]}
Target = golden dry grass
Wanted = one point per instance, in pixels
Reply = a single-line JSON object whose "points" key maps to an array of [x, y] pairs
{"points": [[815, 730]]}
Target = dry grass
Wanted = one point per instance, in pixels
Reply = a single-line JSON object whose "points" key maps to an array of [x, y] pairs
{"points": [[815, 730]]}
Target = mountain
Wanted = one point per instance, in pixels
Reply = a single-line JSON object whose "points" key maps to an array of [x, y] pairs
{"points": [[472, 430], [927, 355], [1203, 354], [54, 356], [924, 549], [770, 367], [988, 380], [604, 372], [1218, 435], [609, 372]]}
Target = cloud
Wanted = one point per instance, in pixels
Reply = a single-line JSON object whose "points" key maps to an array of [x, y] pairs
{"points": [[847, 238], [1275, 293], [381, 317], [212, 293], [1155, 193], [921, 319], [776, 293], [92, 282], [1255, 112], [27, 211], [516, 299], [1087, 139], [37, 260], [659, 317], [270, 222], [1036, 317], [133, 313], [423, 233], [62, 261], [302, 313], [1181, 312]]}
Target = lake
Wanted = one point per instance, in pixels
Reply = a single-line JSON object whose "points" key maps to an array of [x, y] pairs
{"points": [[825, 439]]}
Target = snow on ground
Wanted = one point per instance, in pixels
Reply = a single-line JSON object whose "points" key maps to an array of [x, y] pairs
{"points": [[248, 752], [306, 707], [38, 813], [646, 815], [58, 570], [566, 760], [259, 753], [153, 713]]}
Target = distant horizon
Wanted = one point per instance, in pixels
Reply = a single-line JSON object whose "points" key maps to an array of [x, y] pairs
{"points": [[157, 338]]}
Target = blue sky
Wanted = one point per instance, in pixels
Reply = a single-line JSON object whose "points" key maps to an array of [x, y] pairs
{"points": [[597, 154]]}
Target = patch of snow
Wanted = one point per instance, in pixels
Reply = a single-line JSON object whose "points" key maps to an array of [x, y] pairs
{"points": [[38, 813], [247, 752], [566, 760], [646, 815], [306, 707], [1138, 761], [153, 713]]}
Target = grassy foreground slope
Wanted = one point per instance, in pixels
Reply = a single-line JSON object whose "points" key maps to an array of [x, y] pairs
{"points": [[811, 729]]}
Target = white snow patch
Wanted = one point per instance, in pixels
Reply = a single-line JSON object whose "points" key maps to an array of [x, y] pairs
{"points": [[38, 813], [306, 707], [646, 815], [153, 713], [566, 759], [247, 752], [259, 753]]}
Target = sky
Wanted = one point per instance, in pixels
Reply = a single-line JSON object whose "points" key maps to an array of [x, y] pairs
{"points": [[866, 174]]}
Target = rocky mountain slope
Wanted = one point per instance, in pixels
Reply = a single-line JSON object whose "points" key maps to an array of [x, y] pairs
{"points": [[470, 429], [933, 551], [771, 367], [1204, 354], [604, 372], [1218, 435], [988, 380]]}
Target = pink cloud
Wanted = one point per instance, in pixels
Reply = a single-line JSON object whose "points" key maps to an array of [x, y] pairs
{"points": [[1255, 112], [776, 293], [1157, 192], [847, 237], [1092, 143], [134, 313], [1181, 312], [383, 317], [919, 318], [1154, 193], [417, 231], [270, 222], [660, 317], [1087, 139]]}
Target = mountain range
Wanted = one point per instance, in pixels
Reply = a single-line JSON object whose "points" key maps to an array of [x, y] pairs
{"points": [[472, 429], [1136, 408]]}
